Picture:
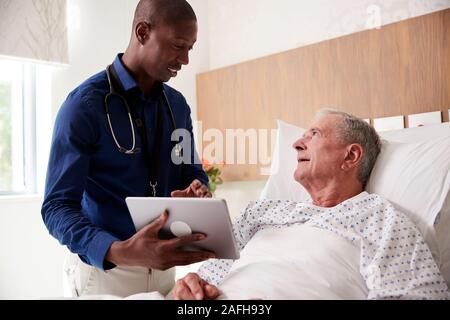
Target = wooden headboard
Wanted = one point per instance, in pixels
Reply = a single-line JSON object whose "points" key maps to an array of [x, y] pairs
{"points": [[400, 69]]}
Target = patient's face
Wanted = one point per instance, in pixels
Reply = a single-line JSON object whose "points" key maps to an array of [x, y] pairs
{"points": [[320, 154]]}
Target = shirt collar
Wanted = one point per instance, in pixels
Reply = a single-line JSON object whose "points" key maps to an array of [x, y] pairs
{"points": [[125, 77], [128, 82]]}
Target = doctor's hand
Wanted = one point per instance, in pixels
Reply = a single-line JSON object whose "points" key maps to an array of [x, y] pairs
{"points": [[195, 190], [192, 287], [146, 249]]}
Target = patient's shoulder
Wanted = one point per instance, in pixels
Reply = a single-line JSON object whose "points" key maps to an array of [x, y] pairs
{"points": [[376, 205], [366, 199]]}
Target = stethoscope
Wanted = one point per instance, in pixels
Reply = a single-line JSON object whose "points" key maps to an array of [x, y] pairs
{"points": [[114, 93]]}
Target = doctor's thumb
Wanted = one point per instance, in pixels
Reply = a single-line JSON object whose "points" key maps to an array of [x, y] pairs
{"points": [[157, 224]]}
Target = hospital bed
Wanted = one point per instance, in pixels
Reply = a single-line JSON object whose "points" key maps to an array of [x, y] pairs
{"points": [[412, 172]]}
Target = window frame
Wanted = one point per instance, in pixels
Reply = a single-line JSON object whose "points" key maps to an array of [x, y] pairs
{"points": [[27, 129]]}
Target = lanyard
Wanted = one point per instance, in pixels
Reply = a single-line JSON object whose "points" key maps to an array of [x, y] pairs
{"points": [[151, 159]]}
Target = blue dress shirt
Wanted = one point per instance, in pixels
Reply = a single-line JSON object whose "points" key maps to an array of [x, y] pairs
{"points": [[88, 179]]}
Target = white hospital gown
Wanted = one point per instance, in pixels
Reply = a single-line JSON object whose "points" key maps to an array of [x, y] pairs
{"points": [[395, 261]]}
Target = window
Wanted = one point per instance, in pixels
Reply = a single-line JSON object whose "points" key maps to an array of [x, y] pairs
{"points": [[17, 127]]}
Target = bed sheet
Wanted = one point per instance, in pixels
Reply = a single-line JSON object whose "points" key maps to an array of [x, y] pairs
{"points": [[295, 263]]}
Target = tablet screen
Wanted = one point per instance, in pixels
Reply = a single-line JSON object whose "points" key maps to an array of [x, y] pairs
{"points": [[187, 216]]}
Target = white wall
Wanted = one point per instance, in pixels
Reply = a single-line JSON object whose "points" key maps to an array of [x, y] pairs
{"points": [[30, 260], [243, 30]]}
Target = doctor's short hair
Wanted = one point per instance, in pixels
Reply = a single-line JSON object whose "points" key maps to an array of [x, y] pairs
{"points": [[355, 130], [155, 12]]}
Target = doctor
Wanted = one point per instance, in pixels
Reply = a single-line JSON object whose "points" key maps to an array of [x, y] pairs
{"points": [[112, 140]]}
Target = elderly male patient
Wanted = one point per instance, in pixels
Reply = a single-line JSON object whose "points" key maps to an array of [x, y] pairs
{"points": [[335, 158]]}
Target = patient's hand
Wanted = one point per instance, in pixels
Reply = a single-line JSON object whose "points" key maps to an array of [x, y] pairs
{"points": [[192, 287]]}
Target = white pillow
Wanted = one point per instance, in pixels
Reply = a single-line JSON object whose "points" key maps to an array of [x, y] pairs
{"points": [[413, 176], [281, 184]]}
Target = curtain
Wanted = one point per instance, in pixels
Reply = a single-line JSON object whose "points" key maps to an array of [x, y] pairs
{"points": [[34, 29]]}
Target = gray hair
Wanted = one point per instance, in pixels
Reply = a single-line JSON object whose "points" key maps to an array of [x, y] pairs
{"points": [[355, 130]]}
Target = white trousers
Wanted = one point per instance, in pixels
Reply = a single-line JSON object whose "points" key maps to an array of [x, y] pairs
{"points": [[81, 279]]}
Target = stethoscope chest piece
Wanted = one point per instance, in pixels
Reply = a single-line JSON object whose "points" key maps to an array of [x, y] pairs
{"points": [[178, 150]]}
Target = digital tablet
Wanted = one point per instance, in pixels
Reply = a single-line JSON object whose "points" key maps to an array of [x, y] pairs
{"points": [[186, 216]]}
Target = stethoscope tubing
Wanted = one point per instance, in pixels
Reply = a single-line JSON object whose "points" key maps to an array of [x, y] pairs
{"points": [[121, 149], [112, 93]]}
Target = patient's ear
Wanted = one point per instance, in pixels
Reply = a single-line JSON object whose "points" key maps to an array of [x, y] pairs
{"points": [[353, 157]]}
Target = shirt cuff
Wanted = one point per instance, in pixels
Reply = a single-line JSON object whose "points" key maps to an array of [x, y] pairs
{"points": [[98, 248]]}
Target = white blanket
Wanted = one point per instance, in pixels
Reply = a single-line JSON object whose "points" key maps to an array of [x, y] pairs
{"points": [[289, 264]]}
